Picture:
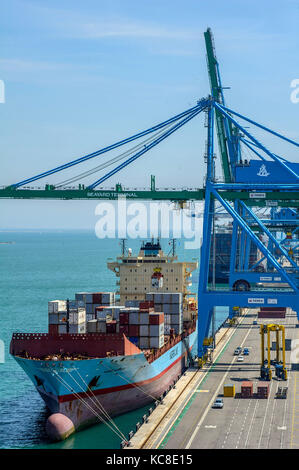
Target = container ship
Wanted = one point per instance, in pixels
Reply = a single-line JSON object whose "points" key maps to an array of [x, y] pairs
{"points": [[107, 353]]}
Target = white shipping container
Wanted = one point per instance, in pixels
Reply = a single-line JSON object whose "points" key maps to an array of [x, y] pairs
{"points": [[157, 330], [144, 330], [157, 341], [55, 306], [92, 326], [53, 318], [77, 318], [144, 342]]}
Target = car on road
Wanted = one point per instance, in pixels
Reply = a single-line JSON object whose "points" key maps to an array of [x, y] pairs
{"points": [[240, 359], [237, 351], [218, 403], [254, 322], [245, 351]]}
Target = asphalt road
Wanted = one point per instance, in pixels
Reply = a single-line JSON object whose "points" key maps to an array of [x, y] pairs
{"points": [[251, 423]]}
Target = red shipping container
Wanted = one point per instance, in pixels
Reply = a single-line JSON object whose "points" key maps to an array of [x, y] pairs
{"points": [[271, 314], [124, 329], [247, 389], [146, 305], [53, 329], [97, 298], [133, 330], [111, 326], [273, 309], [156, 318], [263, 389], [123, 318]]}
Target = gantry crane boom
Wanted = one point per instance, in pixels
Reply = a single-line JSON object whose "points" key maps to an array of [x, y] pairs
{"points": [[217, 93]]}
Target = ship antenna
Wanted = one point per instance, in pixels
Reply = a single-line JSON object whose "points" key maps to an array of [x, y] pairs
{"points": [[123, 246], [173, 246]]}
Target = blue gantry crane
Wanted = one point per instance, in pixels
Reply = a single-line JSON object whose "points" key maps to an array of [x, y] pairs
{"points": [[273, 279], [264, 180]]}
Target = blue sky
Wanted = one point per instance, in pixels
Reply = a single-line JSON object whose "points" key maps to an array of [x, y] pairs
{"points": [[81, 75]]}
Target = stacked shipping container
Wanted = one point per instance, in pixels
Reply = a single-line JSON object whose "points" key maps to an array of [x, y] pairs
{"points": [[172, 306], [66, 316]]}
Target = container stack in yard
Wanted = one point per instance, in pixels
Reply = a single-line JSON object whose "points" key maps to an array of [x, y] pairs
{"points": [[247, 389], [272, 312], [263, 390], [228, 390]]}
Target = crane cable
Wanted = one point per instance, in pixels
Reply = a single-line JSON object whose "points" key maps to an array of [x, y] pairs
{"points": [[131, 383], [118, 433], [113, 160], [98, 404]]}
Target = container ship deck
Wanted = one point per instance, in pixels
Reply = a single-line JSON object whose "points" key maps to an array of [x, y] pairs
{"points": [[104, 356]]}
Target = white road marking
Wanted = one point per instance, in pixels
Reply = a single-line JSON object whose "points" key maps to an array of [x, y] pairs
{"points": [[214, 397]]}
